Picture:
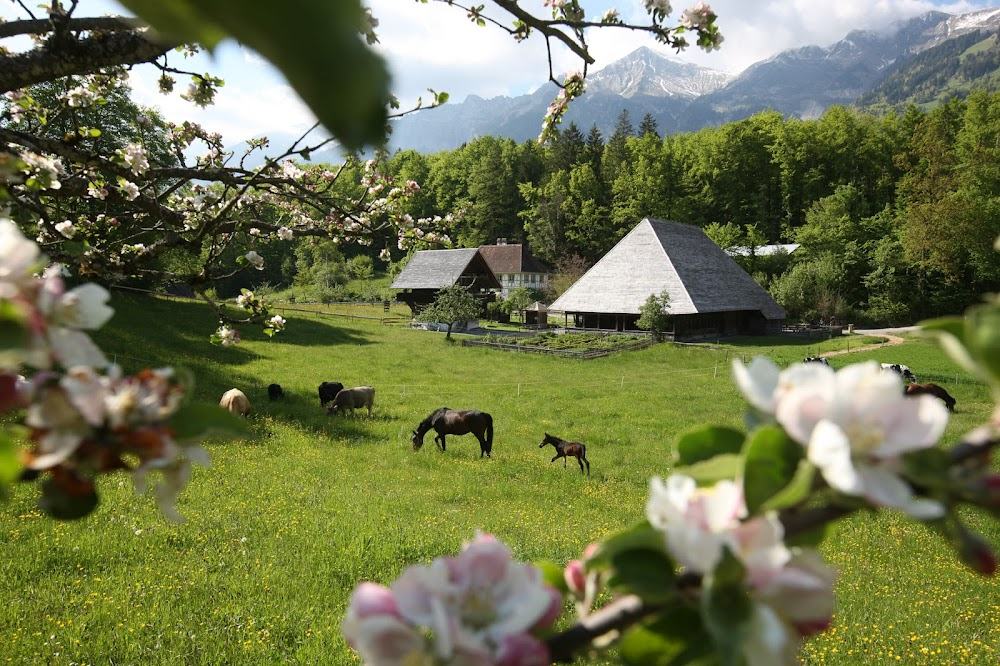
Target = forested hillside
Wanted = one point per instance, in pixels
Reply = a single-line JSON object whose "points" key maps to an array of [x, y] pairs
{"points": [[896, 214], [954, 68]]}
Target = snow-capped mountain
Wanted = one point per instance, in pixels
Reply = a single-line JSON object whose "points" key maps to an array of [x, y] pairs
{"points": [[801, 82], [646, 72]]}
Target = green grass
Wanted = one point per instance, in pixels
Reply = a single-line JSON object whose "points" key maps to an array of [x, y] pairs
{"points": [[282, 527]]}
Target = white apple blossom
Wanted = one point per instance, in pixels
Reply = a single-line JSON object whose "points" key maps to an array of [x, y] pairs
{"points": [[611, 16], [696, 17], [66, 228], [255, 260], [129, 189], [19, 259], [228, 336], [276, 322], [792, 589], [662, 6], [285, 234], [244, 300], [135, 158], [855, 424]]}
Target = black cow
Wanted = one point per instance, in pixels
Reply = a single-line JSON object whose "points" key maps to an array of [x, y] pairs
{"points": [[816, 359], [328, 391], [274, 392]]}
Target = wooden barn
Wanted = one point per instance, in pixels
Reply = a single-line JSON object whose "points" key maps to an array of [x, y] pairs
{"points": [[710, 295], [429, 271]]}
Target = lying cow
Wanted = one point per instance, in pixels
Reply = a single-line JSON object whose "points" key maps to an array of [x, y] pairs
{"points": [[353, 398], [816, 359], [328, 391], [235, 401], [901, 370], [274, 392]]}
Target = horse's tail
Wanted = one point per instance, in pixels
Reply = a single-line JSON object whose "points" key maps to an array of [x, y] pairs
{"points": [[489, 434]]}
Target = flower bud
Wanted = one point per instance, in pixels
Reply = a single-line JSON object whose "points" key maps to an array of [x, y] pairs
{"points": [[977, 554], [576, 580]]}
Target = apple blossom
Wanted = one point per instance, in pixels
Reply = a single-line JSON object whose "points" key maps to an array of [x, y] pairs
{"points": [[479, 607], [855, 424], [285, 234], [66, 228], [255, 260], [129, 189], [245, 299], [792, 589]]}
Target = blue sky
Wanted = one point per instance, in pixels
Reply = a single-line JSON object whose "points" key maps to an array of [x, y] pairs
{"points": [[435, 46]]}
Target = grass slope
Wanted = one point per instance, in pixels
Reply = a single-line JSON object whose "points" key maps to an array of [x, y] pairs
{"points": [[282, 526]]}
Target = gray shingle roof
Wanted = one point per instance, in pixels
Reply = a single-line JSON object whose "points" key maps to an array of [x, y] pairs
{"points": [[436, 269], [655, 256]]}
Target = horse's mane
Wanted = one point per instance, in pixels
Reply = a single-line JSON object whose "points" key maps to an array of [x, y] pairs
{"points": [[427, 423]]}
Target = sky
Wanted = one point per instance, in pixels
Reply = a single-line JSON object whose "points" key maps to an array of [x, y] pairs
{"points": [[432, 45]]}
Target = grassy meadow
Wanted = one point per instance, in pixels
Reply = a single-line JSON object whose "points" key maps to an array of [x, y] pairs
{"points": [[282, 526]]}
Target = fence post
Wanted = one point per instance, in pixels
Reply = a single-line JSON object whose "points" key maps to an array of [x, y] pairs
{"points": [[623, 381], [404, 390], [518, 390], [716, 373]]}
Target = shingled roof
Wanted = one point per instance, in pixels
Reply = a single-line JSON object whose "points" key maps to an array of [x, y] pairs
{"points": [[436, 269], [512, 258], [655, 256]]}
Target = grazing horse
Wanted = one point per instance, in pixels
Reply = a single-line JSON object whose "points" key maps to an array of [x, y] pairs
{"points": [[453, 422], [566, 449], [931, 389]]}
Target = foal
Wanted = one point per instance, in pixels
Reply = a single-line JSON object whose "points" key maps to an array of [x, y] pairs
{"points": [[565, 449]]}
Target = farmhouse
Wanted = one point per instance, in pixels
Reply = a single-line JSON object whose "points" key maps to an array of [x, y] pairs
{"points": [[514, 266], [429, 271], [710, 295]]}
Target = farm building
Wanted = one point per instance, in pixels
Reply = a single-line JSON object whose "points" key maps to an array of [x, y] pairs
{"points": [[429, 271], [710, 295], [514, 266]]}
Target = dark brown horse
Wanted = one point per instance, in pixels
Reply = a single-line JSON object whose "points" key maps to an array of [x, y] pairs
{"points": [[452, 422], [566, 449], [931, 389]]}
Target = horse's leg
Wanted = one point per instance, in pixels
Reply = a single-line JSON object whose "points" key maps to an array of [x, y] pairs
{"points": [[588, 465], [482, 445], [565, 459], [581, 464], [555, 458]]}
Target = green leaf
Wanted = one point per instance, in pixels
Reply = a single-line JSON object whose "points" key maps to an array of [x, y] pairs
{"points": [[638, 563], [675, 637], [197, 421], [796, 491], [94, 132], [771, 460], [930, 468], [178, 19], [62, 505], [727, 608], [10, 464], [644, 572], [552, 574], [640, 536], [13, 331], [316, 45], [708, 472], [704, 442]]}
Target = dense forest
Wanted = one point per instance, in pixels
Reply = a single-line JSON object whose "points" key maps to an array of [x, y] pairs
{"points": [[896, 214]]}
